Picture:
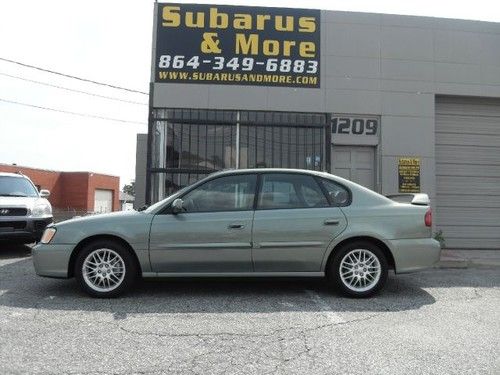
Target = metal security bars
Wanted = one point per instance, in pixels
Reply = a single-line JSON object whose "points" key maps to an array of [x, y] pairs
{"points": [[188, 144]]}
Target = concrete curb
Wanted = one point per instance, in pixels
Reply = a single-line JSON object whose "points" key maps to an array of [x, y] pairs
{"points": [[469, 258], [447, 262], [484, 263], [451, 260]]}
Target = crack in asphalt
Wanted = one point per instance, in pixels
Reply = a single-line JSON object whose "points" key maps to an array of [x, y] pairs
{"points": [[258, 335], [237, 350]]}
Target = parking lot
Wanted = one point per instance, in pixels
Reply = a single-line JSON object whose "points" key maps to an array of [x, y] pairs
{"points": [[438, 321]]}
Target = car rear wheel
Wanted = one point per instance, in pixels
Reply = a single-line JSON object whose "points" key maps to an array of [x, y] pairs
{"points": [[105, 269], [359, 269]]}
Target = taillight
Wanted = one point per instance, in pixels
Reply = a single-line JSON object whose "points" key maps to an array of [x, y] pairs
{"points": [[428, 218]]}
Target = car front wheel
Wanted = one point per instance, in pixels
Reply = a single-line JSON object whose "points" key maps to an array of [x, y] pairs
{"points": [[358, 269], [105, 269]]}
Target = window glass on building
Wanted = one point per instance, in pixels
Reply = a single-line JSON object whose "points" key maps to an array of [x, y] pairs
{"points": [[282, 140], [188, 144]]}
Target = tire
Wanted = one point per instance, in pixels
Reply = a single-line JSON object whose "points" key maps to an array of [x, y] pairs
{"points": [[105, 269], [354, 280]]}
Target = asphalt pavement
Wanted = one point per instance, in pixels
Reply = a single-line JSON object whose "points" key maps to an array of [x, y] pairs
{"points": [[441, 321]]}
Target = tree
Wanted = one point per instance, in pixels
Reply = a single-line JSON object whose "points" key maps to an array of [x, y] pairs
{"points": [[129, 188]]}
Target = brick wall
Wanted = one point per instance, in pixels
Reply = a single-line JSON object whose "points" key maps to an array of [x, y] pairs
{"points": [[75, 188]]}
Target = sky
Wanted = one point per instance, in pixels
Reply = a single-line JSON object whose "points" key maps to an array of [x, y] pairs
{"points": [[110, 41]]}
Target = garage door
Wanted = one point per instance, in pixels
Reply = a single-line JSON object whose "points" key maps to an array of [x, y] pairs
{"points": [[355, 163], [468, 172], [103, 201]]}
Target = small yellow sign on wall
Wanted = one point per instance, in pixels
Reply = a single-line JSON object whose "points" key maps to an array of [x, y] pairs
{"points": [[409, 175]]}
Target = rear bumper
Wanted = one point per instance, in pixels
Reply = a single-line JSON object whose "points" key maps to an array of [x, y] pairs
{"points": [[51, 260], [411, 255], [23, 229]]}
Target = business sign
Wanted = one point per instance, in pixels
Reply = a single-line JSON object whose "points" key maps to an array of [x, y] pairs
{"points": [[355, 130], [219, 44], [409, 175]]}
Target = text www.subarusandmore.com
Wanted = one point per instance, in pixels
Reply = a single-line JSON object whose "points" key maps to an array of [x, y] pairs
{"points": [[237, 77]]}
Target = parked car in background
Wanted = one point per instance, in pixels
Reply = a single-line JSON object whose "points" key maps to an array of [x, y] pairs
{"points": [[253, 222], [24, 211]]}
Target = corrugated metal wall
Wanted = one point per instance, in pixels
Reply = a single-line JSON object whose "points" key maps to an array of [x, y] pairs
{"points": [[468, 171]]}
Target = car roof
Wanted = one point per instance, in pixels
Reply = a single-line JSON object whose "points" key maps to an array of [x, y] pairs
{"points": [[346, 183], [270, 170]]}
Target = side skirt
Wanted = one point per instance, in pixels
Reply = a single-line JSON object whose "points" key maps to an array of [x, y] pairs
{"points": [[232, 274]]}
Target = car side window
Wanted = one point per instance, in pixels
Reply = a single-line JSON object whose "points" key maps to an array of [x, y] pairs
{"points": [[338, 195], [287, 190], [227, 193]]}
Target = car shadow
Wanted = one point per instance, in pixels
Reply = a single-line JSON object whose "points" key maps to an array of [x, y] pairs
{"points": [[21, 288], [13, 250]]}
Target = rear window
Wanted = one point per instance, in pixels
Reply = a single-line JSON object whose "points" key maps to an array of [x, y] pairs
{"points": [[16, 187]]}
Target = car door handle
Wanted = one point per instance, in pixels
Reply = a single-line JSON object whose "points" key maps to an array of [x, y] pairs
{"points": [[331, 222], [236, 226]]}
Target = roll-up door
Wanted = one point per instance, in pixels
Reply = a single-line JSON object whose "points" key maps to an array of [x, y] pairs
{"points": [[103, 201], [468, 171]]}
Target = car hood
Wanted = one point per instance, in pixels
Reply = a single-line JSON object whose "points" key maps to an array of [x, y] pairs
{"points": [[131, 226], [108, 217]]}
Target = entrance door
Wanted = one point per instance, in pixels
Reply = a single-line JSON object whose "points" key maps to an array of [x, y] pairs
{"points": [[355, 163]]}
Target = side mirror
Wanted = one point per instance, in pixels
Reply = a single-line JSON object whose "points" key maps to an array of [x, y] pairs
{"points": [[177, 206], [44, 193]]}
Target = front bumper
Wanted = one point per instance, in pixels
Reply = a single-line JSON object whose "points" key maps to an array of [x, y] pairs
{"points": [[52, 260], [417, 254], [22, 228]]}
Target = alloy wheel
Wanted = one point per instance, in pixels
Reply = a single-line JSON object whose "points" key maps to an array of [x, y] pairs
{"points": [[103, 270], [360, 270]]}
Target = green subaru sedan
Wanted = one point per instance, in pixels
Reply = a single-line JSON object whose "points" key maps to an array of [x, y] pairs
{"points": [[250, 223]]}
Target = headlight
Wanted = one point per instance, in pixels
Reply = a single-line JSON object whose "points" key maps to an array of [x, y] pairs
{"points": [[48, 235], [42, 209]]}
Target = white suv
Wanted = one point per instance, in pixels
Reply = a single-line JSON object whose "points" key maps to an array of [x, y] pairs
{"points": [[24, 212]]}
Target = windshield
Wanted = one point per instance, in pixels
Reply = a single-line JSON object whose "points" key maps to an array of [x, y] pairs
{"points": [[153, 207], [16, 187]]}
